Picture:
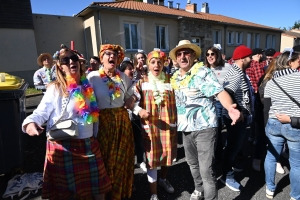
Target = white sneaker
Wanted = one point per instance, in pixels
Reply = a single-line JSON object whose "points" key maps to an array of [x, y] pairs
{"points": [[143, 166], [196, 195], [279, 169], [154, 197], [256, 165], [269, 194]]}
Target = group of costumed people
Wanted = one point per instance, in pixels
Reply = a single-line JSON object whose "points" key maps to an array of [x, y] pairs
{"points": [[99, 163]]}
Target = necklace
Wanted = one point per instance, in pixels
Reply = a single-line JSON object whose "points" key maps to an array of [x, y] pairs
{"points": [[88, 113], [48, 75], [176, 83], [158, 94], [114, 89]]}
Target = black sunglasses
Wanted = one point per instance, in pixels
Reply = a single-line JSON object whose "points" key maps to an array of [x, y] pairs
{"points": [[208, 54], [184, 53], [66, 60]]}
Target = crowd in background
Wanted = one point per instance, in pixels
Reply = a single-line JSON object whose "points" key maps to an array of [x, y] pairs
{"points": [[137, 106]]}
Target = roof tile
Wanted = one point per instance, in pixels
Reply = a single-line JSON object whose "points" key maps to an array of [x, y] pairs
{"points": [[153, 8]]}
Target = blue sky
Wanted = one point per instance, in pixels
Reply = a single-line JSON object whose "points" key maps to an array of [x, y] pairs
{"points": [[273, 13]]}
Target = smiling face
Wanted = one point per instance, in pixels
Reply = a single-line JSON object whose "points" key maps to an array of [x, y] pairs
{"points": [[185, 58], [155, 66], [109, 60], [211, 57], [69, 64]]}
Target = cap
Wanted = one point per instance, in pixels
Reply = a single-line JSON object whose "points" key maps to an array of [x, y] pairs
{"points": [[257, 51]]}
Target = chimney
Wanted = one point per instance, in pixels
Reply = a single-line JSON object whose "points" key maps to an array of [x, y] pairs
{"points": [[148, 1], [170, 4], [205, 8], [160, 2], [178, 5], [192, 8]]}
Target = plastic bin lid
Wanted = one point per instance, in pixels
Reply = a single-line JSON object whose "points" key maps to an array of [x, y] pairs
{"points": [[11, 82]]}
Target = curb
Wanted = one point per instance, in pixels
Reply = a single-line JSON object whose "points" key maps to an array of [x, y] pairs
{"points": [[33, 95]]}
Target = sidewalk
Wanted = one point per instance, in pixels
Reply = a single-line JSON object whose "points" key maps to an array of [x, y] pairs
{"points": [[179, 174]]}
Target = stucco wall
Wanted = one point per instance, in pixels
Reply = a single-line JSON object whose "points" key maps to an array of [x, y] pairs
{"points": [[18, 53], [112, 29], [52, 30], [286, 41]]}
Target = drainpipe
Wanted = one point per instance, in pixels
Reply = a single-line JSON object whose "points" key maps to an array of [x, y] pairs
{"points": [[225, 40], [86, 47], [100, 29]]}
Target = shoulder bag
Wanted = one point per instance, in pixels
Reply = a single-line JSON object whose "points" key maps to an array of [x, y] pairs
{"points": [[295, 121], [63, 129]]}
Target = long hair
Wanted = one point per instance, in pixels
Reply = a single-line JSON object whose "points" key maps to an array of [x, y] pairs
{"points": [[61, 82], [219, 60], [270, 70], [283, 60], [135, 61]]}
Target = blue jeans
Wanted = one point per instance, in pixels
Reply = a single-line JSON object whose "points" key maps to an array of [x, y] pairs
{"points": [[235, 139], [278, 134], [199, 147]]}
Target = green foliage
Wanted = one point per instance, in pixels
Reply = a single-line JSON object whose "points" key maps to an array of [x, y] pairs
{"points": [[296, 25], [30, 91]]}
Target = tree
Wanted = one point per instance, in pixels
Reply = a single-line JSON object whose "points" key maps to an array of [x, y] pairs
{"points": [[296, 25]]}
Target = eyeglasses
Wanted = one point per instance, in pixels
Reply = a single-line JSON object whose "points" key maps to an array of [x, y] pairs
{"points": [[66, 60], [184, 53], [110, 53], [46, 58], [210, 54]]}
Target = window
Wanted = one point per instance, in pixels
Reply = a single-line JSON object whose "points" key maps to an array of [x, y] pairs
{"points": [[249, 37], [230, 37], [162, 37], [239, 38], [217, 37], [273, 41], [197, 41], [256, 40], [270, 41], [132, 36]]}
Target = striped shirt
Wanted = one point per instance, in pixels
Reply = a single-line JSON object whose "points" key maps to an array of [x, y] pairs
{"points": [[235, 81], [289, 80]]}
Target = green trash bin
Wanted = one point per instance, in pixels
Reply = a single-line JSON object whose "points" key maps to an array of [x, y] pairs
{"points": [[12, 114]]}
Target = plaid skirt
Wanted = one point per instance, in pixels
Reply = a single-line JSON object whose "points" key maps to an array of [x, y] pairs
{"points": [[117, 146], [74, 168]]}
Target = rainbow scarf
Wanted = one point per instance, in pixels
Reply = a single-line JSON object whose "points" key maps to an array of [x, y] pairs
{"points": [[90, 113]]}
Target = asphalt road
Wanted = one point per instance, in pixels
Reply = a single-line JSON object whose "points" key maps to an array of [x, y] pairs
{"points": [[179, 174]]}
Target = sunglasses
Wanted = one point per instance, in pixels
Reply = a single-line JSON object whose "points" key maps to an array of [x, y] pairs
{"points": [[66, 60], [110, 53], [210, 54], [184, 53]]}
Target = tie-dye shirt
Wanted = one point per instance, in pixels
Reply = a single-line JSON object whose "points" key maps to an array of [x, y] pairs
{"points": [[194, 102], [41, 79]]}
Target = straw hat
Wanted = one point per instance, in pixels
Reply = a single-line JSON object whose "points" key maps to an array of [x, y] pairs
{"points": [[39, 59], [185, 44]]}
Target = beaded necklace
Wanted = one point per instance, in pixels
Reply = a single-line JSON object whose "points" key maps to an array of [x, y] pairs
{"points": [[158, 94], [88, 113], [114, 87], [176, 83]]}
